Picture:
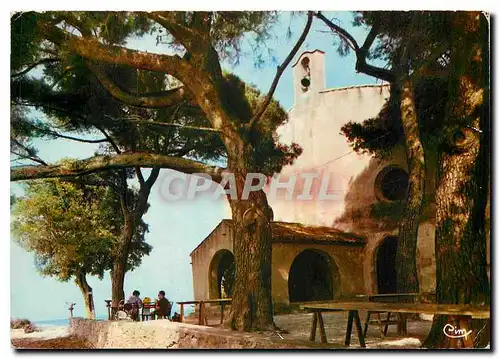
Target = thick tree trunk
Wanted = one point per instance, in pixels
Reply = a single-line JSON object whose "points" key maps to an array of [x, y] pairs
{"points": [[252, 304], [462, 189], [251, 308], [406, 261], [117, 282], [81, 282], [120, 262]]}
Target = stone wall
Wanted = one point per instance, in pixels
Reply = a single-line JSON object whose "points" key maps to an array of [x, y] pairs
{"points": [[346, 261], [93, 331], [347, 266], [163, 334], [201, 258]]}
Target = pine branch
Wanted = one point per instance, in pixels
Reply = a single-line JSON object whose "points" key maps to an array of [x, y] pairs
{"points": [[165, 124], [93, 50], [267, 100], [121, 161], [361, 52], [32, 66], [162, 99]]}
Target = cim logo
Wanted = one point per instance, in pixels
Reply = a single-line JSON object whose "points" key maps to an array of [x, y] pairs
{"points": [[452, 332]]}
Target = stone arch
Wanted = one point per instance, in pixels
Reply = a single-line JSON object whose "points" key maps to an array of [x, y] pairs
{"points": [[313, 275], [220, 271], [385, 265]]}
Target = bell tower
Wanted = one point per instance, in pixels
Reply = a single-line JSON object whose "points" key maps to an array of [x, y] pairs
{"points": [[309, 75]]}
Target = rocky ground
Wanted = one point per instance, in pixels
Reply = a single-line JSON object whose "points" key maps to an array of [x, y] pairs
{"points": [[46, 338], [63, 343], [295, 328]]}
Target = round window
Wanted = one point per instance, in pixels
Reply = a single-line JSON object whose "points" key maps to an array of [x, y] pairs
{"points": [[392, 184]]}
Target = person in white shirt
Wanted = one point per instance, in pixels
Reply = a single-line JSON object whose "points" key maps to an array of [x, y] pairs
{"points": [[134, 303]]}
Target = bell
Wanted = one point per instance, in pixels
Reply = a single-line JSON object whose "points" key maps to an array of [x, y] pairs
{"points": [[306, 81]]}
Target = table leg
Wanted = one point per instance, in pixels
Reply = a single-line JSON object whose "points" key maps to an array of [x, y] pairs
{"points": [[380, 325], [200, 314], [221, 313], [466, 323], [322, 328], [312, 336], [367, 321], [402, 330], [387, 323], [182, 313], [361, 337], [349, 328], [205, 316]]}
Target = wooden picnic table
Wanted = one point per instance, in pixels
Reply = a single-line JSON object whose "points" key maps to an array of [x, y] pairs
{"points": [[112, 309], [401, 320], [202, 317], [461, 314], [391, 295]]}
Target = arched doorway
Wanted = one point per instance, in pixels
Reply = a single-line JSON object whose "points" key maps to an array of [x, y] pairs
{"points": [[386, 265], [313, 276], [221, 274]]}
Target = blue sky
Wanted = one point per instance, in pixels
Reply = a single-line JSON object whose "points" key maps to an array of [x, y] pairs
{"points": [[175, 228]]}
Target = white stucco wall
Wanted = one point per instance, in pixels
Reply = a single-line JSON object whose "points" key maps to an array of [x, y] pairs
{"points": [[314, 123]]}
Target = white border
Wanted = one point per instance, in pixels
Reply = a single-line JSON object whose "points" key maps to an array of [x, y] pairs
{"points": [[8, 7]]}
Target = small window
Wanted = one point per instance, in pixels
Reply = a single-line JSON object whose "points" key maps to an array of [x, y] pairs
{"points": [[391, 184], [305, 82]]}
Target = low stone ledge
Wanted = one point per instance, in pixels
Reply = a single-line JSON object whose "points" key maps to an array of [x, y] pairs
{"points": [[163, 334]]}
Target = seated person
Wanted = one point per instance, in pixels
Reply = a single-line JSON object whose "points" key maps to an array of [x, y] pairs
{"points": [[133, 304], [163, 306]]}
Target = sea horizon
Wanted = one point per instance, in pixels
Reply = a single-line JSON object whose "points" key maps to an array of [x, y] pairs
{"points": [[58, 322]]}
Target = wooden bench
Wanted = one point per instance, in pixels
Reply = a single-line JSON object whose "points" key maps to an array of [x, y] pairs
{"points": [[462, 315], [202, 316]]}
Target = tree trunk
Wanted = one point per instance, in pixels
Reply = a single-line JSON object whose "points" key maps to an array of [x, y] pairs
{"points": [[120, 262], [131, 219], [81, 282], [117, 282], [251, 308], [406, 261], [461, 196]]}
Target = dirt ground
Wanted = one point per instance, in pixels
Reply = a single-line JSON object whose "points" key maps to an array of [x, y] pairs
{"points": [[298, 326], [56, 343]]}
